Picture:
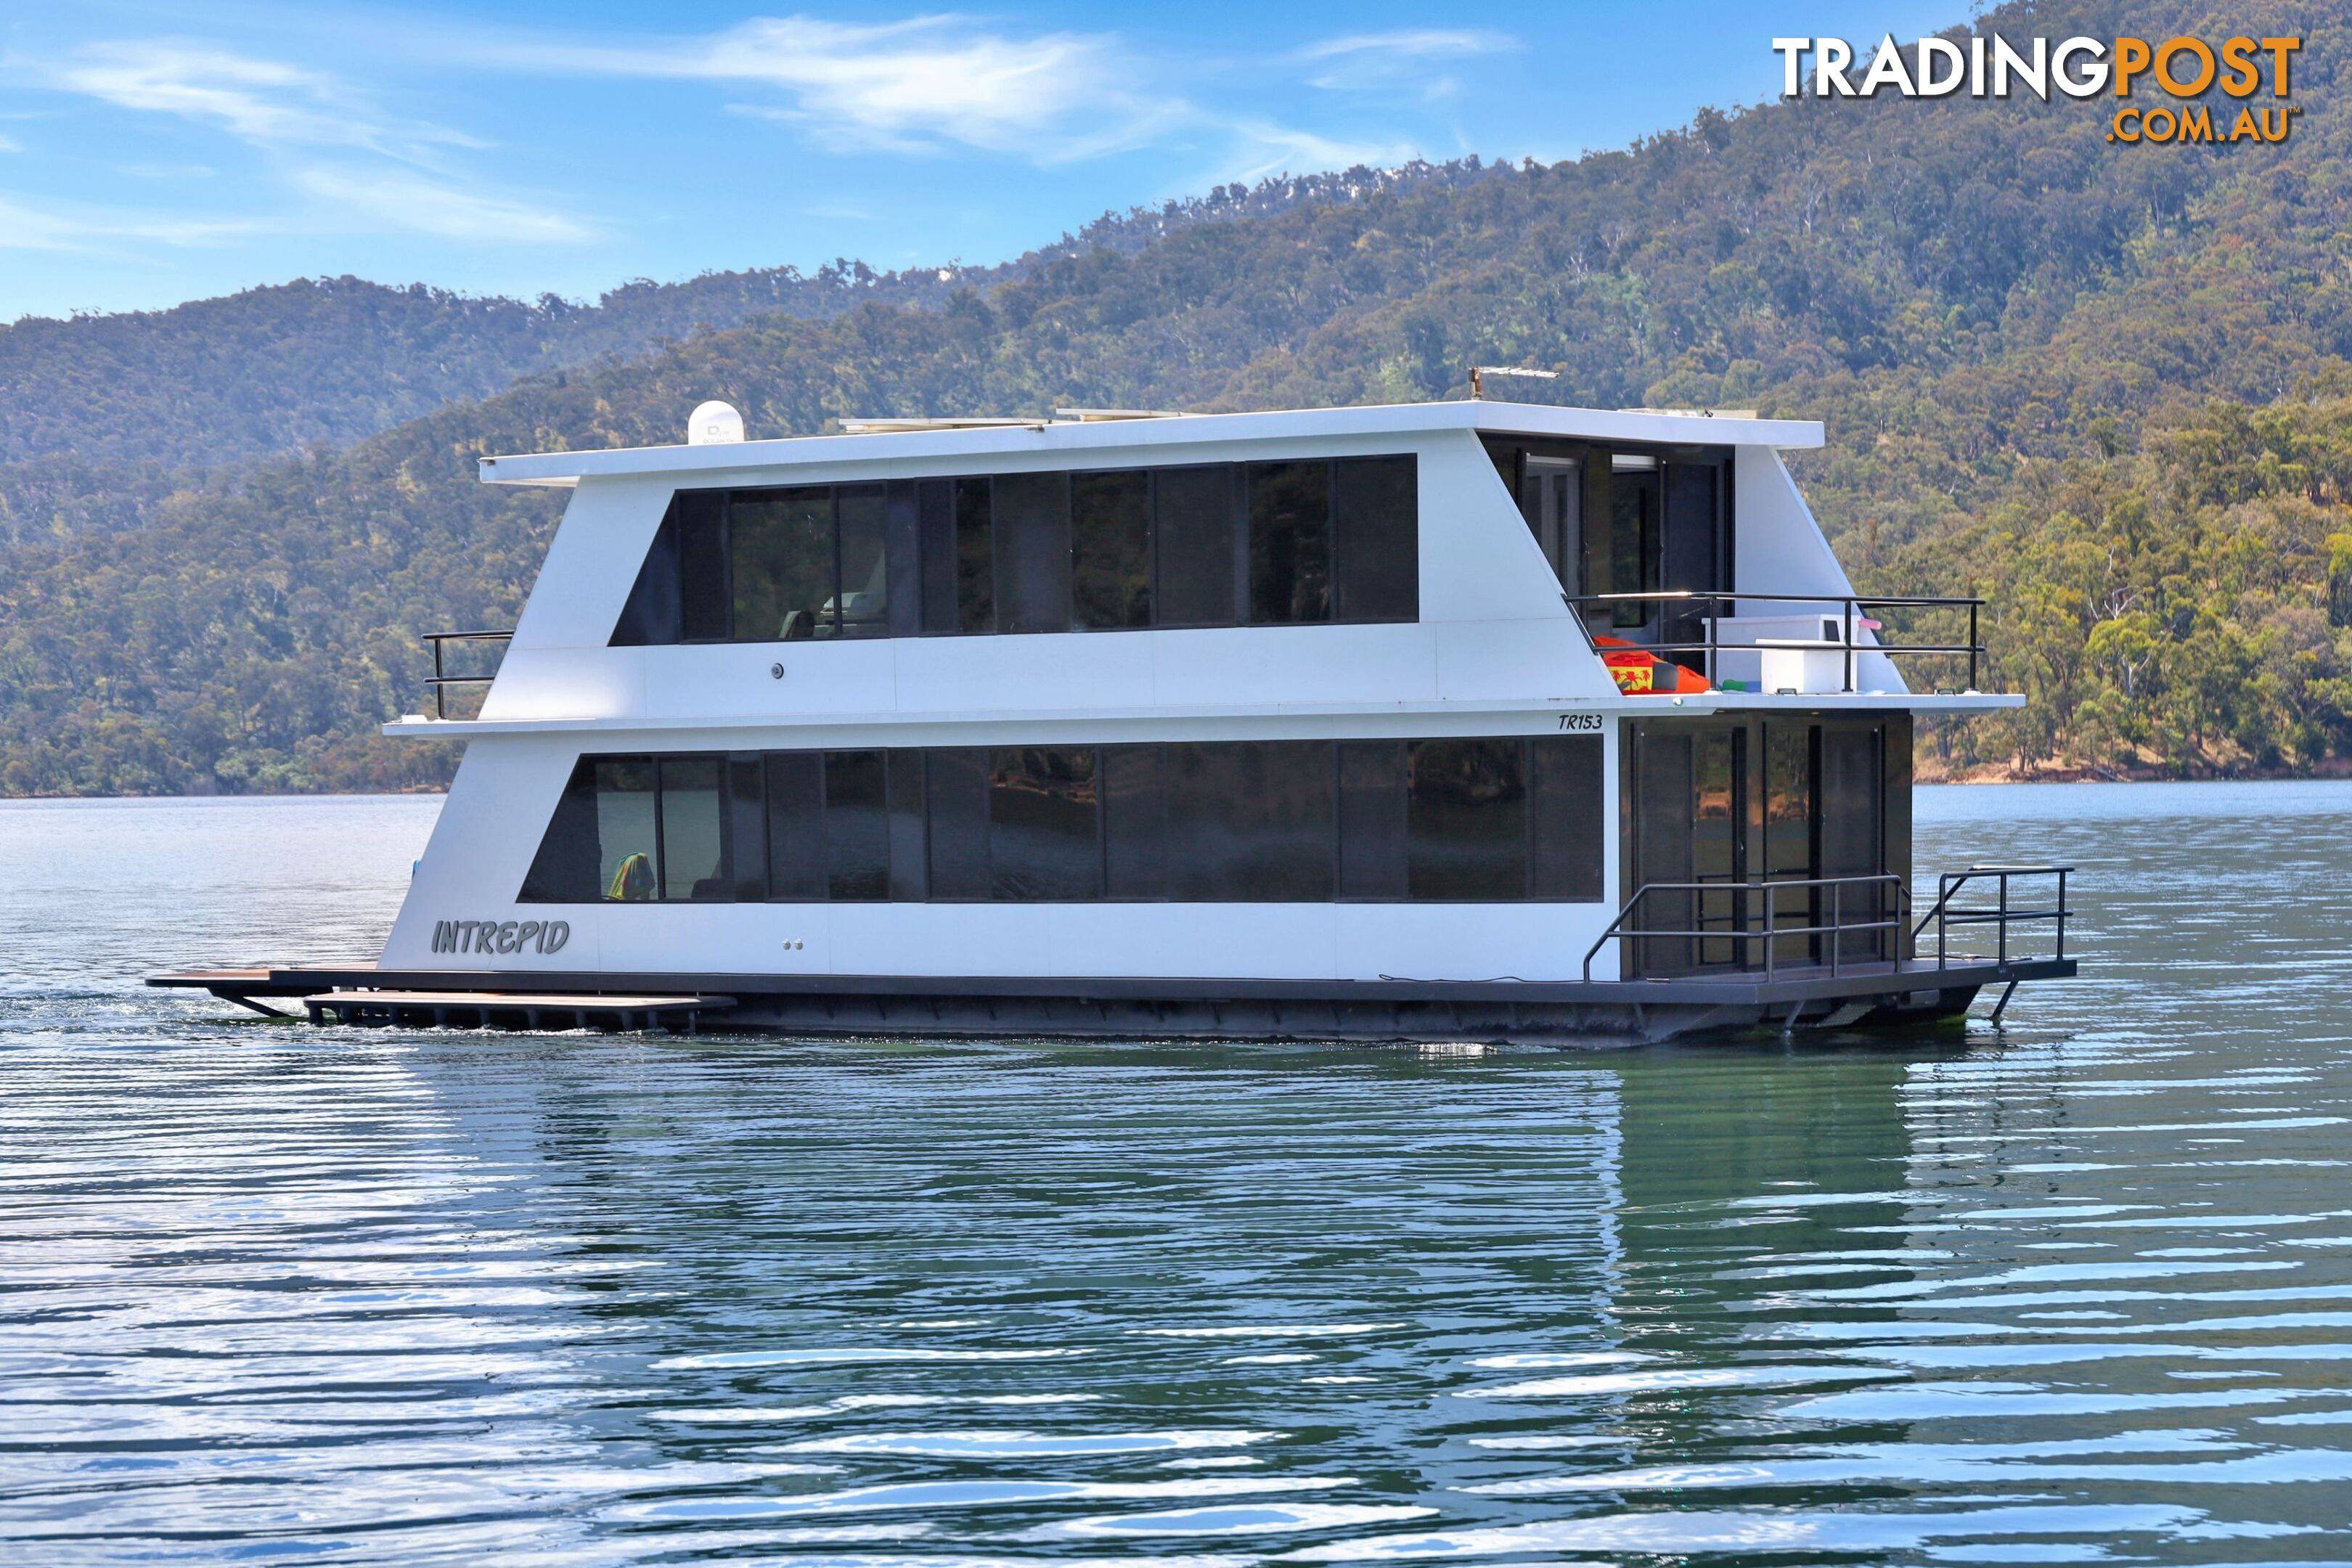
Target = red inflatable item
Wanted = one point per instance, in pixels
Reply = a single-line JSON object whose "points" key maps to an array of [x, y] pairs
{"points": [[1640, 673]]}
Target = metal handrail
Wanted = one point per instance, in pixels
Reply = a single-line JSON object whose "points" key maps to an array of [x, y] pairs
{"points": [[1945, 915], [1771, 930], [441, 681], [1850, 607]]}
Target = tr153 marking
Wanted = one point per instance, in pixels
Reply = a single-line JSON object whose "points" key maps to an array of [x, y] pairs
{"points": [[1588, 723]]}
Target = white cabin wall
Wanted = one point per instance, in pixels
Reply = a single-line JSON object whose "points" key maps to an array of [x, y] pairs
{"points": [[482, 846], [1781, 550]]}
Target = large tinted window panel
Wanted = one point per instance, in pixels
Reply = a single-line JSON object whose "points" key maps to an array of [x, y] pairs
{"points": [[702, 565], [908, 853], [1251, 821], [1634, 541], [693, 829], [650, 617], [936, 515], [1371, 819], [1375, 540], [796, 826], [975, 556], [1135, 823], [1192, 529], [1289, 542], [956, 787], [564, 870], [627, 845], [783, 556], [1042, 824], [1466, 819], [1564, 798], [1032, 553], [903, 543], [863, 514], [856, 826], [747, 827], [1111, 549]]}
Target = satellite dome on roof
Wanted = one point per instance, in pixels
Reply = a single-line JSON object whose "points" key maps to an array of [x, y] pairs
{"points": [[713, 423]]}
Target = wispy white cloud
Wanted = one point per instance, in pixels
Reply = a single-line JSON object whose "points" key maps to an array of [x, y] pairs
{"points": [[1364, 62], [325, 138], [257, 101], [404, 199], [70, 227], [1267, 148], [915, 86], [10, 144]]}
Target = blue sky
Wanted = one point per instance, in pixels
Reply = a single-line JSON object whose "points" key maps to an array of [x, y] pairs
{"points": [[152, 154]]}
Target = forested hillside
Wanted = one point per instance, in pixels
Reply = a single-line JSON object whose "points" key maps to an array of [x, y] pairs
{"points": [[2106, 386]]}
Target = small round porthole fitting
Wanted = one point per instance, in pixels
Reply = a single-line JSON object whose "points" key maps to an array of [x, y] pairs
{"points": [[776, 671]]}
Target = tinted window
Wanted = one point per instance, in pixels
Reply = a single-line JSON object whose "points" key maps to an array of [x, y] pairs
{"points": [[1371, 819], [1289, 542], [975, 556], [1210, 822], [702, 565], [650, 617], [865, 603], [782, 549], [903, 543], [936, 515], [1466, 819], [1217, 544], [1194, 535], [857, 826], [1135, 823], [693, 835], [1111, 549], [956, 787], [1375, 540], [747, 827], [1041, 824], [564, 870], [1032, 553], [908, 853], [1250, 821], [796, 826], [1564, 790], [627, 848]]}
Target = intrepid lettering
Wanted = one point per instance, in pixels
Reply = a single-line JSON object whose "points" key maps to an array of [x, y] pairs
{"points": [[501, 936]]}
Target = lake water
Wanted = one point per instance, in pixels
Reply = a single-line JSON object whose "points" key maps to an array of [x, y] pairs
{"points": [[2079, 1291]]}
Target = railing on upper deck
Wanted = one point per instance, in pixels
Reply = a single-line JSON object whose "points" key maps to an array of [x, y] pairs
{"points": [[441, 680], [1852, 610]]}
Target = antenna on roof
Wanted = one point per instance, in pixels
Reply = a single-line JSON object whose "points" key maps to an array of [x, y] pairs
{"points": [[713, 423], [1478, 390]]}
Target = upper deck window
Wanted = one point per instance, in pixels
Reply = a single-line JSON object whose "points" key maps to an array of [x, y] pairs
{"points": [[1285, 543]]}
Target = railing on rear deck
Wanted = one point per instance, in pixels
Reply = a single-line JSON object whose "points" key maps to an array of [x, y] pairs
{"points": [[442, 681], [1851, 609], [1741, 932], [2001, 915]]}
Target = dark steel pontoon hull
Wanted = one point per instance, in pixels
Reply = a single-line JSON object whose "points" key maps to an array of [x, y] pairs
{"points": [[1410, 1010]]}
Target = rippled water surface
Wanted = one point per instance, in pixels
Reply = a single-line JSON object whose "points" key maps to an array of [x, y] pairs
{"points": [[2075, 1291]]}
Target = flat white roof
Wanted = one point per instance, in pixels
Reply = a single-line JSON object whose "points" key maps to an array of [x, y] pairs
{"points": [[1080, 436]]}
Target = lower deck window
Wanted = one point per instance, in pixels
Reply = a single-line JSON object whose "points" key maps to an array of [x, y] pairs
{"points": [[1463, 820]]}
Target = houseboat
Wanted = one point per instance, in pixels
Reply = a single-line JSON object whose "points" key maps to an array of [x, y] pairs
{"points": [[1456, 720]]}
